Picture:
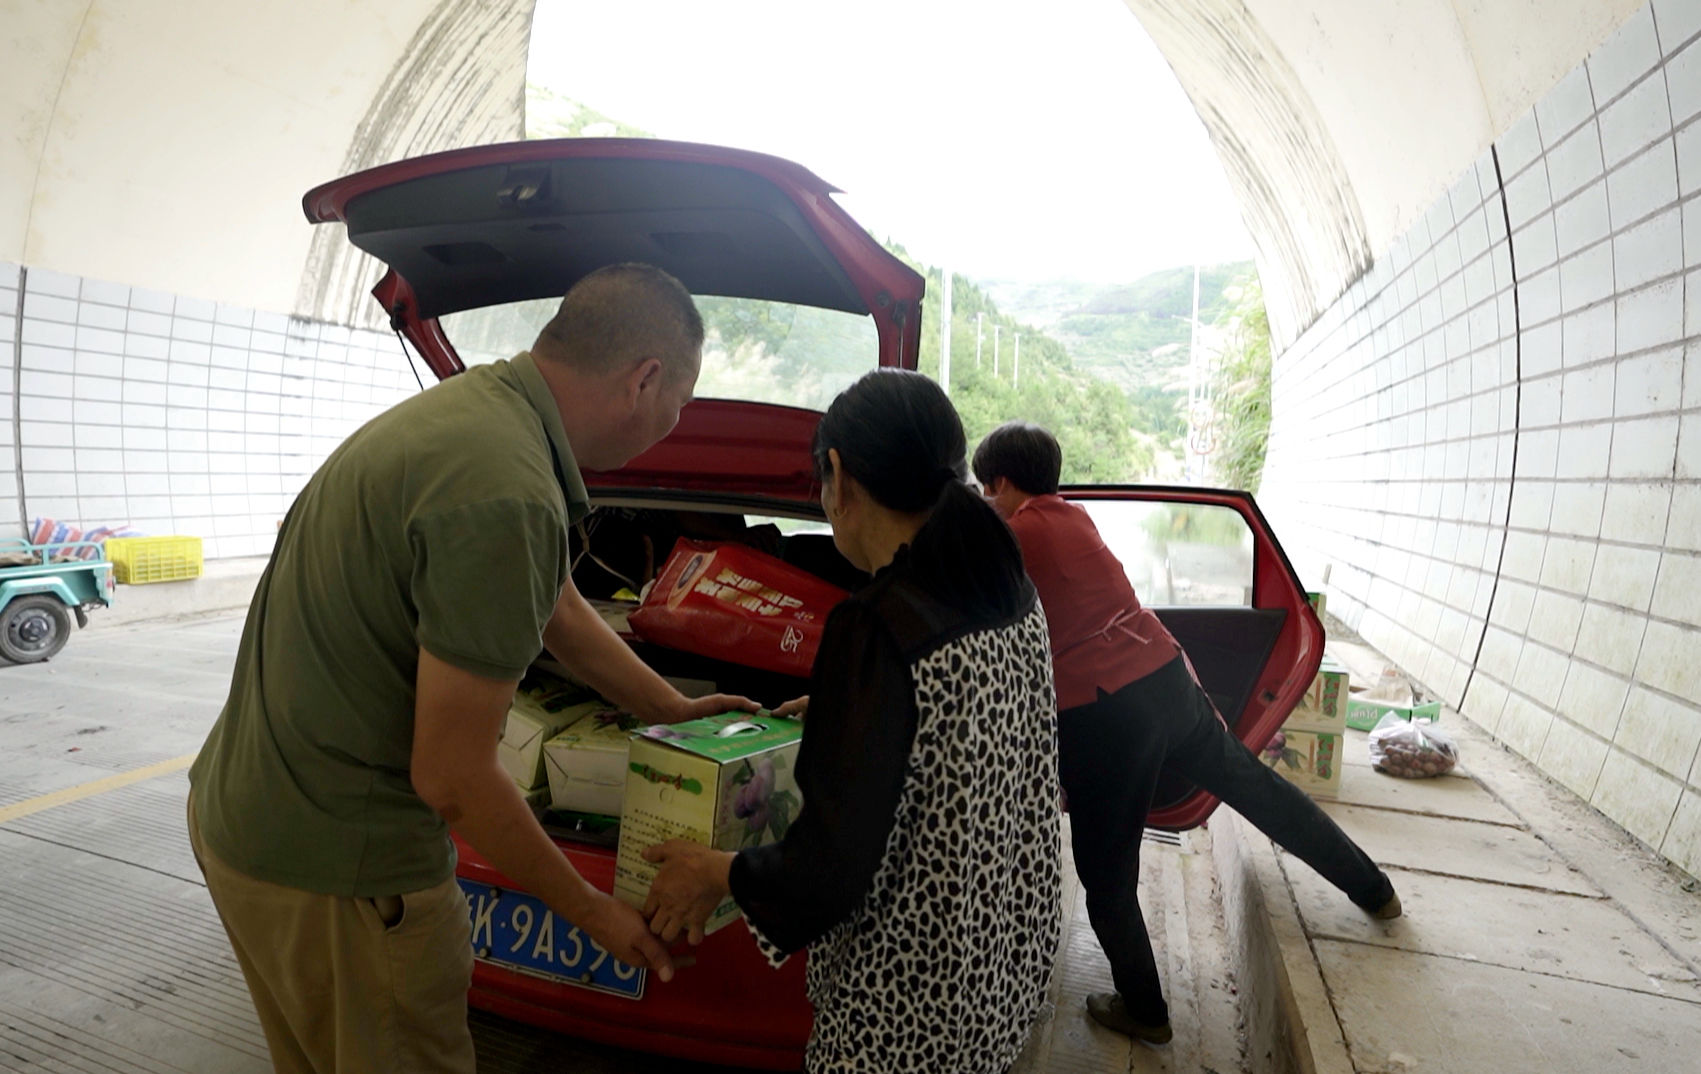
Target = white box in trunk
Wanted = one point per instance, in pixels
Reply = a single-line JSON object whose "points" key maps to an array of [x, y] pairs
{"points": [[586, 763]]}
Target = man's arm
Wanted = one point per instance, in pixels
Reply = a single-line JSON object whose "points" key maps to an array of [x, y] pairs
{"points": [[588, 647], [457, 723]]}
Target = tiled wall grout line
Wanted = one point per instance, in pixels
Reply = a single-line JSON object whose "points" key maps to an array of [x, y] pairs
{"points": [[1512, 468], [18, 395]]}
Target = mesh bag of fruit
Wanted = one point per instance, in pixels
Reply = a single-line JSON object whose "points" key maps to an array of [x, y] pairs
{"points": [[1411, 749]]}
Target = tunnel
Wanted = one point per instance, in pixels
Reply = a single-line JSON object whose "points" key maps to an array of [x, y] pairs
{"points": [[1471, 222]]}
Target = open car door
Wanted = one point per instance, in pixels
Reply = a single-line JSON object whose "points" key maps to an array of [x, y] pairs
{"points": [[1208, 563]]}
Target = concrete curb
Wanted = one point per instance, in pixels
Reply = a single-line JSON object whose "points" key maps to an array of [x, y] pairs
{"points": [[1291, 1026], [227, 585]]}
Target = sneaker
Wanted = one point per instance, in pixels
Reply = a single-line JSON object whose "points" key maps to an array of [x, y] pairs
{"points": [[1108, 1010]]}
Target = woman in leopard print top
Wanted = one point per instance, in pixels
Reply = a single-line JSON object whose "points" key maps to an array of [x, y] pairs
{"points": [[922, 874]]}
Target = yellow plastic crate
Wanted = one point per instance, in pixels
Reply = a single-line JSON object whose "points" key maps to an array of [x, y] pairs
{"points": [[136, 560]]}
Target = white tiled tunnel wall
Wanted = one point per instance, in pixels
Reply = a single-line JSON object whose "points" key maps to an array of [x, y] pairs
{"points": [[1579, 643], [175, 415], [1398, 474]]}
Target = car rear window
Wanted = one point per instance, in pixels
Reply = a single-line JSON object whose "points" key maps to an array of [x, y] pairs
{"points": [[756, 351]]}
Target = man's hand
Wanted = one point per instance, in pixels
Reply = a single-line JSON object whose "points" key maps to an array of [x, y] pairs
{"points": [[622, 933], [692, 881], [457, 722], [577, 636], [797, 708], [695, 708]]}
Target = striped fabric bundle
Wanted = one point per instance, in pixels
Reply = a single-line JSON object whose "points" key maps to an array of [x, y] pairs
{"points": [[47, 531]]}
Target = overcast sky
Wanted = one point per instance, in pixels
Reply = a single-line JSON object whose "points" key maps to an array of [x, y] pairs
{"points": [[1025, 139]]}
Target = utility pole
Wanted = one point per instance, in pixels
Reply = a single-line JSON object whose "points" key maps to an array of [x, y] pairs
{"points": [[945, 332], [1194, 462], [1016, 362], [979, 317], [995, 329]]}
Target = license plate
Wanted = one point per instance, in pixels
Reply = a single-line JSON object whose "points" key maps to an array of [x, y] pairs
{"points": [[518, 932]]}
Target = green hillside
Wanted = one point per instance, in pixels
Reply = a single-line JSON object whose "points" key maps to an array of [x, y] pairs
{"points": [[1102, 366], [1134, 334], [1094, 420]]}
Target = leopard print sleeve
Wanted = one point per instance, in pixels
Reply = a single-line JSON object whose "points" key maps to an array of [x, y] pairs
{"points": [[773, 952]]}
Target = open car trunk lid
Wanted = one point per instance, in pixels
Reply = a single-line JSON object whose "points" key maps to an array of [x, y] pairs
{"points": [[504, 223]]}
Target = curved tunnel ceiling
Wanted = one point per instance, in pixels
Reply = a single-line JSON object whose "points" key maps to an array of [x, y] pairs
{"points": [[166, 143], [1339, 121], [146, 134]]}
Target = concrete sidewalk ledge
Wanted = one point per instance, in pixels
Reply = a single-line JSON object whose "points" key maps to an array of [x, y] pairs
{"points": [[1538, 936], [225, 585], [1291, 1027]]}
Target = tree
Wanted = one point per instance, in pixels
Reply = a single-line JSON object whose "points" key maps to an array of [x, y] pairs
{"points": [[1242, 389], [1093, 419]]}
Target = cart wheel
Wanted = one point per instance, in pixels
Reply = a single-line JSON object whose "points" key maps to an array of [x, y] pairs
{"points": [[33, 628]]}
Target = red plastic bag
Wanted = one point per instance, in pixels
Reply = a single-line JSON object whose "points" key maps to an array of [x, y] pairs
{"points": [[731, 602]]}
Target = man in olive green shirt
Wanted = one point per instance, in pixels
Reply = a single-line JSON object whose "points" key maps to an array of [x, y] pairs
{"points": [[415, 578]]}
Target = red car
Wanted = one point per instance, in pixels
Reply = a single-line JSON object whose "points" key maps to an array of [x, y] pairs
{"points": [[799, 301]]}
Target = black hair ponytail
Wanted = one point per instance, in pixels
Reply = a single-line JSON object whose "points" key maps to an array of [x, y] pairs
{"points": [[897, 433], [971, 553]]}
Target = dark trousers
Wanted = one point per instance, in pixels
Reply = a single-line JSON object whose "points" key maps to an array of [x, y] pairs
{"points": [[1110, 754]]}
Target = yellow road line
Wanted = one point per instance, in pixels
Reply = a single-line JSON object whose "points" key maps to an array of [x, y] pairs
{"points": [[94, 787]]}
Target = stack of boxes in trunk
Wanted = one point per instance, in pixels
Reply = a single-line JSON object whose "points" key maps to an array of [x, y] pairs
{"points": [[543, 708], [565, 747], [725, 781]]}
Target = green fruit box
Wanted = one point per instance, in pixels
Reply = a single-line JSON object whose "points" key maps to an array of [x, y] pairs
{"points": [[1364, 714], [1311, 760], [1323, 707], [726, 781]]}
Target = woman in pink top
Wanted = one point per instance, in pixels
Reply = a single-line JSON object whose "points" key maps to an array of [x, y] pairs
{"points": [[1130, 711]]}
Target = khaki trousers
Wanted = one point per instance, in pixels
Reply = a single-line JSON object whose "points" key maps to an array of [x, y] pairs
{"points": [[350, 985]]}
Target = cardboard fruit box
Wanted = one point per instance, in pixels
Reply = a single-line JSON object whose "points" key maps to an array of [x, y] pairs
{"points": [[1323, 707], [1363, 714], [726, 781], [1311, 760], [539, 713], [586, 763]]}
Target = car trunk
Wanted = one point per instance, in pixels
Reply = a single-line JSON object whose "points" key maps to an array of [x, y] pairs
{"points": [[1229, 646]]}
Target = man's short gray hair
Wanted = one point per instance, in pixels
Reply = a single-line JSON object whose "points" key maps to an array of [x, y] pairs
{"points": [[623, 313]]}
